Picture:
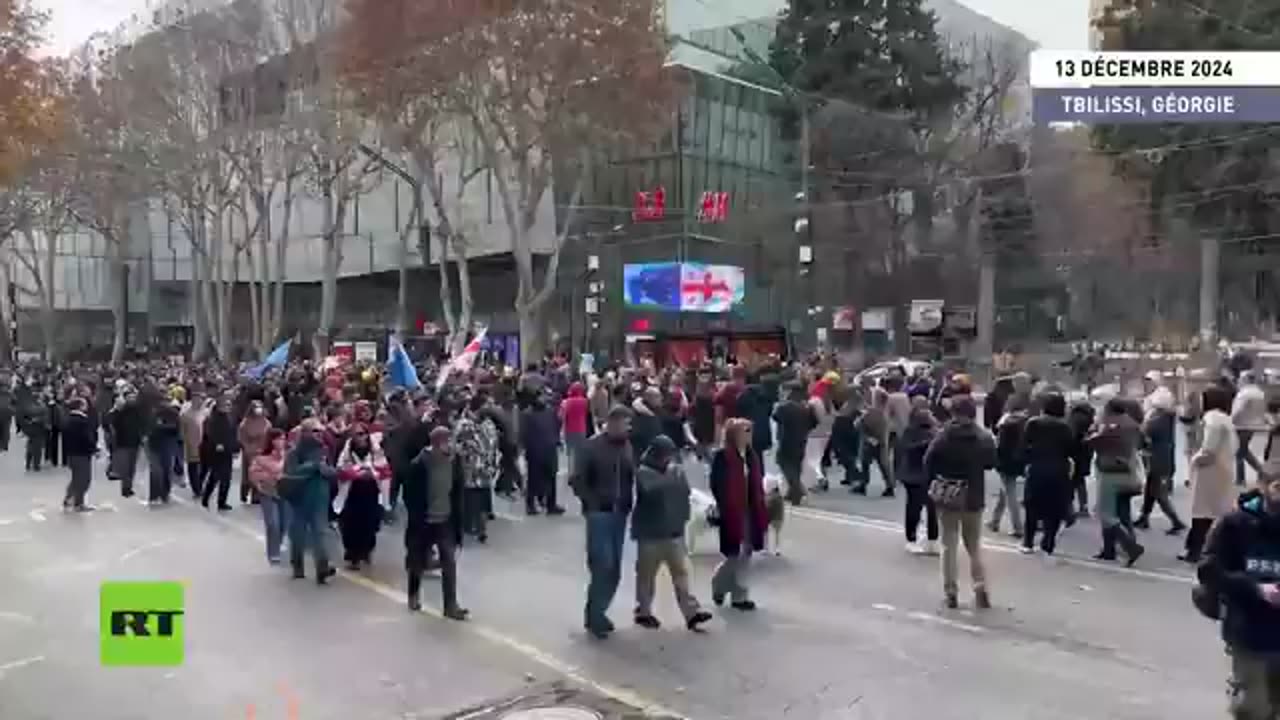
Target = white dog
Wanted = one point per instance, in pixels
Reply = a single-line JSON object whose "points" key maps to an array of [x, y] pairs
{"points": [[704, 515]]}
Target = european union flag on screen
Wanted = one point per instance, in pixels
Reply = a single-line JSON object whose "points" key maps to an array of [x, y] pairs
{"points": [[277, 359], [400, 370]]}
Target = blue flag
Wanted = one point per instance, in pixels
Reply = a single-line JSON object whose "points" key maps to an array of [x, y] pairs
{"points": [[277, 359], [400, 370]]}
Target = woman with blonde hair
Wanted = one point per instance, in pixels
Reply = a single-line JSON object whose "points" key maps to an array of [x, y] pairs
{"points": [[737, 484]]}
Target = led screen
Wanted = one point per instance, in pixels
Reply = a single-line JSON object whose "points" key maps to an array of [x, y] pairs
{"points": [[683, 287]]}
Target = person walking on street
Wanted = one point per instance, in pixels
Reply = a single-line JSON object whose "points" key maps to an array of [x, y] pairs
{"points": [[1212, 491], [604, 481], [1161, 430], [127, 431], [1240, 587], [80, 445], [1116, 440], [737, 484], [217, 450], [305, 486], [1048, 443], [433, 503], [162, 449], [191, 422], [265, 473], [957, 461], [796, 419], [251, 436], [911, 447], [658, 524], [1010, 464], [1249, 417]]}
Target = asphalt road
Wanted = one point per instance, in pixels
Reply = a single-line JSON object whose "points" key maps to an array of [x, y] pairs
{"points": [[849, 627]]}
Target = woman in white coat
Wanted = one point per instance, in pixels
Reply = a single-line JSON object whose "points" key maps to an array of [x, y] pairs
{"points": [[1213, 491]]}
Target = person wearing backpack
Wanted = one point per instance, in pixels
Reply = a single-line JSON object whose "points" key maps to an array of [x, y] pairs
{"points": [[957, 460], [1239, 579]]}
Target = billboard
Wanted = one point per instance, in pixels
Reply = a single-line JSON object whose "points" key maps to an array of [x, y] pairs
{"points": [[683, 287]]}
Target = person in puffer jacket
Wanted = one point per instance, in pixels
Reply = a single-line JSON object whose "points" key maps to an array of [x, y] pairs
{"points": [[1240, 585]]}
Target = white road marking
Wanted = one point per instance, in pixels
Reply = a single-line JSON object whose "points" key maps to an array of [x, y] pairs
{"points": [[870, 523], [37, 516], [561, 667], [6, 521], [885, 607], [143, 548], [106, 506], [948, 622], [21, 663], [17, 617]]}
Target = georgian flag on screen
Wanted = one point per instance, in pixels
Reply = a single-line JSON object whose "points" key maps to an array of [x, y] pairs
{"points": [[710, 288]]}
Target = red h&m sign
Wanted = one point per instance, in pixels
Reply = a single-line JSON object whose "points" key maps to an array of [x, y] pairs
{"points": [[650, 205], [714, 207]]}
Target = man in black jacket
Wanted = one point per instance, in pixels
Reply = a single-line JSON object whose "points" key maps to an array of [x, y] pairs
{"points": [[962, 454], [79, 445], [433, 520], [604, 480], [1240, 574], [128, 429]]}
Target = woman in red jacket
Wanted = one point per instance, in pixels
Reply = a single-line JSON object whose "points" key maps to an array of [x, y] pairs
{"points": [[364, 489], [574, 412], [737, 484]]}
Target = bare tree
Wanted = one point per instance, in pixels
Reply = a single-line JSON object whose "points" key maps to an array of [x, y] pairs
{"points": [[336, 170], [47, 199]]}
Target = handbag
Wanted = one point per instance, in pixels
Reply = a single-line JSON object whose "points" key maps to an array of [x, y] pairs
{"points": [[948, 493]]}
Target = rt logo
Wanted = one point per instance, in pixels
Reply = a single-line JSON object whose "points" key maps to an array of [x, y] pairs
{"points": [[141, 624]]}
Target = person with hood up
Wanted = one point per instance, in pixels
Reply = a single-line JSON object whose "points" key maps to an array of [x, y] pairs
{"points": [[79, 445], [658, 524], [1048, 443], [575, 412], [540, 438], [796, 419], [305, 486], [34, 423], [1212, 492], [1160, 426], [911, 447], [252, 437], [1240, 587], [957, 462], [737, 484], [1116, 440]]}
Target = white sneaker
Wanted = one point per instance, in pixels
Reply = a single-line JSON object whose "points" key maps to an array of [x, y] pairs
{"points": [[1026, 550], [931, 547], [915, 548]]}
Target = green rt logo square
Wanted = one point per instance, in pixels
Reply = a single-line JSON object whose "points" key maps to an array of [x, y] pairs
{"points": [[140, 623]]}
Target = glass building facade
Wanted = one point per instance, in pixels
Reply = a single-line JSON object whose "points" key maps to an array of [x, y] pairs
{"points": [[723, 139]]}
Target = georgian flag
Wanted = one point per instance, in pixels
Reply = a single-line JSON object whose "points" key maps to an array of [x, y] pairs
{"points": [[465, 359]]}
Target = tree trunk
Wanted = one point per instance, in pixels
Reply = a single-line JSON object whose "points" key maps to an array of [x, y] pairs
{"points": [[532, 343], [465, 304], [119, 304], [48, 298], [1210, 255], [282, 257], [335, 209]]}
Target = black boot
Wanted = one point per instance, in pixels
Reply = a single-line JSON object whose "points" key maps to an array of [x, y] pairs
{"points": [[1132, 547], [1108, 551], [414, 590]]}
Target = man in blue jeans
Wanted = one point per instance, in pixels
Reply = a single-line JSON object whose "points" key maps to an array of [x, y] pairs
{"points": [[604, 481]]}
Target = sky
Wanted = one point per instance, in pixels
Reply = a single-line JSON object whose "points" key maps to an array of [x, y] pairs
{"points": [[1055, 24]]}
